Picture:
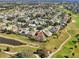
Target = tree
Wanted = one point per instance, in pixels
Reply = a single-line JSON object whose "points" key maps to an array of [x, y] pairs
{"points": [[69, 20], [0, 50], [73, 54], [56, 23], [10, 18], [66, 56], [7, 49], [77, 36], [25, 54], [19, 55], [42, 53], [75, 46], [74, 42]]}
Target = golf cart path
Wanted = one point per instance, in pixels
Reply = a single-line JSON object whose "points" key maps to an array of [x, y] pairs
{"points": [[60, 46], [9, 52], [51, 53]]}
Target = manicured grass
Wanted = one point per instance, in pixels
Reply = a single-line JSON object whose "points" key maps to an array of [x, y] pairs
{"points": [[15, 49], [4, 55], [59, 56], [15, 36], [24, 48], [50, 45], [77, 21], [71, 32], [66, 51], [55, 42], [19, 48]]}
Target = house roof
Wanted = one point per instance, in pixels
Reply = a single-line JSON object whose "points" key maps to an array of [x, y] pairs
{"points": [[54, 29], [47, 32], [40, 36]]}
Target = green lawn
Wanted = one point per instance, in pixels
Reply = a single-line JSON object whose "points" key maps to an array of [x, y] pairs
{"points": [[66, 51], [77, 21], [55, 42], [4, 55], [14, 36], [51, 44], [15, 49], [71, 32]]}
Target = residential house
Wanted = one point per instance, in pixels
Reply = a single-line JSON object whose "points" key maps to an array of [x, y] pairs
{"points": [[47, 32], [55, 29], [40, 36], [15, 29]]}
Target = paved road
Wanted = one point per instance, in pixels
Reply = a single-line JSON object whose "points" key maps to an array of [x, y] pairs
{"points": [[60, 46]]}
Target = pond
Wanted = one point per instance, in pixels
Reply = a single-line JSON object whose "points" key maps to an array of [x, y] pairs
{"points": [[10, 42]]}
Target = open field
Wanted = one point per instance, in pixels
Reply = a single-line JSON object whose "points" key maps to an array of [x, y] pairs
{"points": [[14, 49], [55, 42], [69, 50], [52, 44]]}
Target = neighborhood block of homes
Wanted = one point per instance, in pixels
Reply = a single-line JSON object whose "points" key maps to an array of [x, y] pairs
{"points": [[36, 22], [39, 30]]}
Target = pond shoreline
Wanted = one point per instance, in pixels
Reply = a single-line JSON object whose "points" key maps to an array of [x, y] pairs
{"points": [[10, 41]]}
